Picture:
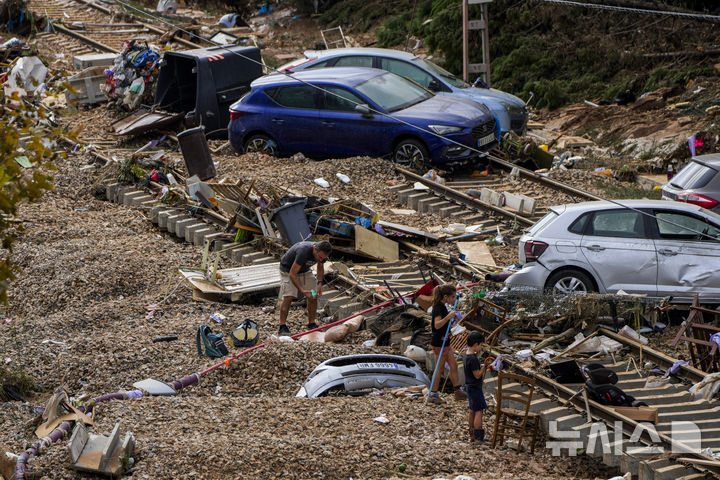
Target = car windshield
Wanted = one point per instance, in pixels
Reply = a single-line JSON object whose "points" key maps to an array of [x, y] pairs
{"points": [[392, 92], [695, 175], [441, 72]]}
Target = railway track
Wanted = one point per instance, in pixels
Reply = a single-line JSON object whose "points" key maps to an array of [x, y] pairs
{"points": [[636, 448], [490, 201], [685, 426], [81, 27]]}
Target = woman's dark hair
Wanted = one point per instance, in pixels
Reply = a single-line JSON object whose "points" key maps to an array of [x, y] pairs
{"points": [[440, 291]]}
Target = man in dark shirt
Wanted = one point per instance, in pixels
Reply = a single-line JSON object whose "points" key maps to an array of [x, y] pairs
{"points": [[296, 277], [474, 373]]}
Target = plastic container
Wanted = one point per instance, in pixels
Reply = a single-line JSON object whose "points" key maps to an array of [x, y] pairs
{"points": [[292, 222], [87, 85], [322, 182], [342, 177]]}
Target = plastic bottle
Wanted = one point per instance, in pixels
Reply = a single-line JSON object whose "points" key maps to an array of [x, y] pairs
{"points": [[670, 172]]}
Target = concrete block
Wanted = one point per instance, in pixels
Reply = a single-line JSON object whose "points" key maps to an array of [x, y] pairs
{"points": [[140, 200], [155, 211], [173, 220], [413, 199], [491, 196], [646, 470], [265, 260], [251, 258], [218, 239], [237, 253], [424, 204], [672, 472], [191, 229], [450, 210], [110, 190], [398, 187], [630, 462], [182, 225], [403, 193], [130, 195], [123, 192], [200, 235], [163, 218]]}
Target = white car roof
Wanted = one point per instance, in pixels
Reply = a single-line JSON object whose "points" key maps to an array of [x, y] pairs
{"points": [[333, 52], [602, 205]]}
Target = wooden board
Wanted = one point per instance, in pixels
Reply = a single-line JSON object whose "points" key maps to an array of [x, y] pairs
{"points": [[375, 245], [403, 211], [408, 230], [476, 252], [639, 414]]}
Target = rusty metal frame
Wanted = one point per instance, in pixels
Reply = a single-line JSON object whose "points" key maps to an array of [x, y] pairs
{"points": [[703, 352]]}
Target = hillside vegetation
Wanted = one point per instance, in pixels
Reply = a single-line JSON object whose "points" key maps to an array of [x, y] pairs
{"points": [[561, 53]]}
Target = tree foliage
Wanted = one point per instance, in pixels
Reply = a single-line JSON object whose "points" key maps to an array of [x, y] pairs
{"points": [[26, 156]]}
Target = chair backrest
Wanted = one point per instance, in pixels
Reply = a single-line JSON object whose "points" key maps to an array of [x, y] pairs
{"points": [[514, 395]]}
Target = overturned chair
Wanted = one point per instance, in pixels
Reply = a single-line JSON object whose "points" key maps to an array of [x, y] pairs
{"points": [[521, 421]]}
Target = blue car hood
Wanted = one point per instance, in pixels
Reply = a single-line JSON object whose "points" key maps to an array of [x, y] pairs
{"points": [[442, 109]]}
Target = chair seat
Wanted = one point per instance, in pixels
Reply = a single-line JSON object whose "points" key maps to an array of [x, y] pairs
{"points": [[514, 412]]}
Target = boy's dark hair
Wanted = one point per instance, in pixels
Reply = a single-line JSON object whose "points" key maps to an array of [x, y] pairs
{"points": [[474, 338], [324, 246]]}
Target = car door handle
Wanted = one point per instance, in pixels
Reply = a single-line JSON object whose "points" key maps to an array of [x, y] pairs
{"points": [[278, 121], [595, 248], [328, 124], [667, 251]]}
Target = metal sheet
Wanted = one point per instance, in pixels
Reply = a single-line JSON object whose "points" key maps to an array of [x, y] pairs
{"points": [[143, 121]]}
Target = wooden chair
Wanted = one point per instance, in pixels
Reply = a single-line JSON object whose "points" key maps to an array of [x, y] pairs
{"points": [[519, 420]]}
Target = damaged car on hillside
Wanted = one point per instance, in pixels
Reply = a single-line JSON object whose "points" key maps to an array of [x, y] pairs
{"points": [[649, 247], [345, 112]]}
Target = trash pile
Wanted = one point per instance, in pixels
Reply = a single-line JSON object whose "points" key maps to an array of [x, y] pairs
{"points": [[132, 75]]}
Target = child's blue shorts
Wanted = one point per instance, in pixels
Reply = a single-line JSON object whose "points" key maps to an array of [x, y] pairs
{"points": [[476, 398]]}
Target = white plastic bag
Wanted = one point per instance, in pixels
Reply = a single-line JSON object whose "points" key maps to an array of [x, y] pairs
{"points": [[416, 353], [28, 73], [322, 182]]}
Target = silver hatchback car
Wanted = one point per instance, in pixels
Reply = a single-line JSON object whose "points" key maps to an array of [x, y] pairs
{"points": [[651, 247], [698, 183]]}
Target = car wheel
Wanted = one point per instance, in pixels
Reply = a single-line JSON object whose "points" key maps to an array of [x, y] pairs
{"points": [[566, 282], [411, 153], [262, 144]]}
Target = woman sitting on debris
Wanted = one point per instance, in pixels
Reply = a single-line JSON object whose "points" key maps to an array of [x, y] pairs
{"points": [[442, 295]]}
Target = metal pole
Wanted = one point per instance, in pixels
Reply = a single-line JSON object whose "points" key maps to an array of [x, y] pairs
{"points": [[465, 39], [486, 44]]}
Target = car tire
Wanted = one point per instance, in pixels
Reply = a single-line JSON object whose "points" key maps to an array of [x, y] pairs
{"points": [[565, 282], [411, 153], [261, 143]]}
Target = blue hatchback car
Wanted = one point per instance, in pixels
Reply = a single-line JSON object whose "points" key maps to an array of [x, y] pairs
{"points": [[341, 112]]}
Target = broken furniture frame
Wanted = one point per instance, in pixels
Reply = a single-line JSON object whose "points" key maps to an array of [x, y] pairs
{"points": [[523, 416], [703, 351]]}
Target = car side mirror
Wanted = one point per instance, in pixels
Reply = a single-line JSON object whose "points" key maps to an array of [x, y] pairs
{"points": [[434, 86], [364, 109], [480, 83]]}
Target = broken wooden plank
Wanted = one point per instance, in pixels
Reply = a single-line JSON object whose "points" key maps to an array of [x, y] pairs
{"points": [[375, 245], [476, 252], [408, 230]]}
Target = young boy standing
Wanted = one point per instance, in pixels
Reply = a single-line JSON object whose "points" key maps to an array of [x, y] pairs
{"points": [[474, 373]]}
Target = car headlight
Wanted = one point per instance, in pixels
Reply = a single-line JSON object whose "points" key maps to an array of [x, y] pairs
{"points": [[444, 129], [513, 108]]}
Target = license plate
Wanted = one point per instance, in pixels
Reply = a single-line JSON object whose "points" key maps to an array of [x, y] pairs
{"points": [[486, 139], [378, 365]]}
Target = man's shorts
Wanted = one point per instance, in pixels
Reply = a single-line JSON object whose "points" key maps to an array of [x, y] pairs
{"points": [[307, 281], [476, 399]]}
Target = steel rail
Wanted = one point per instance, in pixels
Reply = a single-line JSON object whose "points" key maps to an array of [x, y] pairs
{"points": [[608, 415], [463, 199], [85, 39], [536, 177], [691, 373]]}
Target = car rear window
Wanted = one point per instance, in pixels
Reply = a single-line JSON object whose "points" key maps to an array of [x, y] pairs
{"points": [[542, 223], [694, 175], [617, 223]]}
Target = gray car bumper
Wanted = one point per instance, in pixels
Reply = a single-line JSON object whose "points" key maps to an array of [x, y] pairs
{"points": [[531, 278]]}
